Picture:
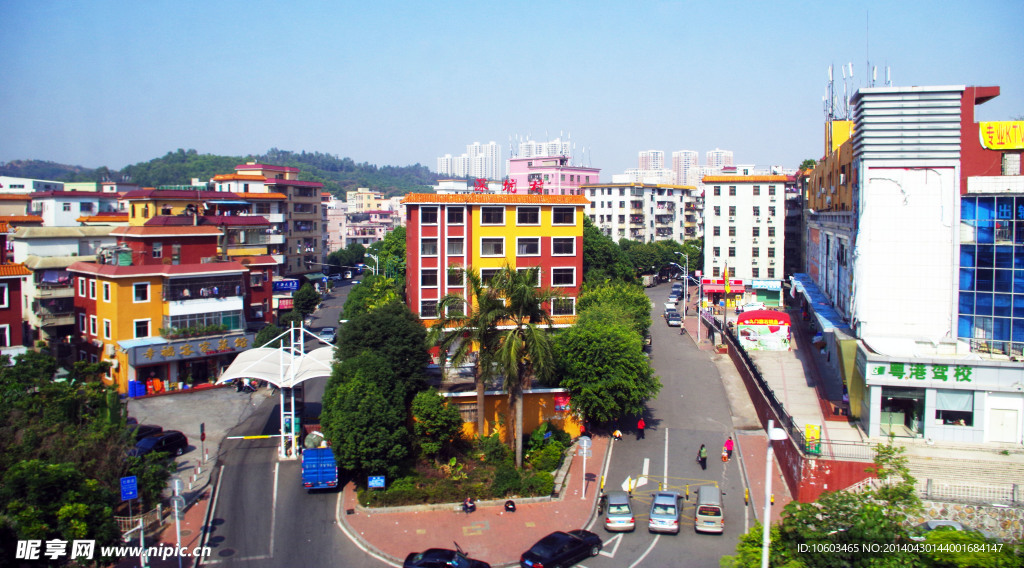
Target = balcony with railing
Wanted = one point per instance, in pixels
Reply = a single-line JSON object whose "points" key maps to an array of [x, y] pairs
{"points": [[54, 312], [54, 290], [201, 288]]}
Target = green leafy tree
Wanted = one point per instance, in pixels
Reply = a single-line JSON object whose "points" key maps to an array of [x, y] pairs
{"points": [[372, 293], [366, 432], [629, 297], [646, 258], [437, 424], [949, 548], [390, 253], [266, 337], [602, 258], [306, 300], [472, 336], [290, 318], [603, 367], [525, 351], [346, 258], [808, 164], [46, 501], [395, 334]]}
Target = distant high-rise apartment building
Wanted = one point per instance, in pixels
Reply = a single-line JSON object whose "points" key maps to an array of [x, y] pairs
{"points": [[651, 160], [479, 161], [685, 167], [718, 158], [533, 149]]}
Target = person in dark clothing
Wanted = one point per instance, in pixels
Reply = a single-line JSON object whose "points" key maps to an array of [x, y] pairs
{"points": [[702, 457], [640, 429]]}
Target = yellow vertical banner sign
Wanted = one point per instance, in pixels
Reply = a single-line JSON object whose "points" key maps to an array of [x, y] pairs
{"points": [[726, 278], [812, 438]]}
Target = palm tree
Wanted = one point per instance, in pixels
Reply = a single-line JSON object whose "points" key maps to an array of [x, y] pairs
{"points": [[525, 350], [460, 335]]}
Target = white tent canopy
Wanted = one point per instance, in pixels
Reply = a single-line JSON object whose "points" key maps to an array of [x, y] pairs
{"points": [[275, 366]]}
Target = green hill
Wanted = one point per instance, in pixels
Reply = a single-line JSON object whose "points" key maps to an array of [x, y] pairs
{"points": [[179, 167]]}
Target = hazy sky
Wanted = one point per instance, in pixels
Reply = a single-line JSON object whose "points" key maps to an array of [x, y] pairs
{"points": [[100, 83]]}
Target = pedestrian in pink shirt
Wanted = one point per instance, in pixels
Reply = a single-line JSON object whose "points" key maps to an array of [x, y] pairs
{"points": [[728, 448]]}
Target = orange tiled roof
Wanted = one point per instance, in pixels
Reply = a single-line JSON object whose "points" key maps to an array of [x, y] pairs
{"points": [[22, 218], [501, 199], [239, 177], [105, 217], [15, 197], [14, 269], [167, 230], [4, 227], [251, 195], [728, 179]]}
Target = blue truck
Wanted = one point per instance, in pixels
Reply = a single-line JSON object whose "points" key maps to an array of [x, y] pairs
{"points": [[319, 470]]}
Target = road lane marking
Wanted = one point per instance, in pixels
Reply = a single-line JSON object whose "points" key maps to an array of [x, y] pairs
{"points": [[210, 515], [664, 474], [347, 531], [642, 480], [273, 509], [617, 539], [646, 552]]}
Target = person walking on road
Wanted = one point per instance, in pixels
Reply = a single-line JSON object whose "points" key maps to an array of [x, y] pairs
{"points": [[728, 448], [702, 457], [640, 428]]}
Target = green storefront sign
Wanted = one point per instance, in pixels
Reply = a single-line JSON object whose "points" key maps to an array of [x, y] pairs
{"points": [[920, 372]]}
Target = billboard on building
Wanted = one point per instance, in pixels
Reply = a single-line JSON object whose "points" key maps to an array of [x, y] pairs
{"points": [[763, 330]]}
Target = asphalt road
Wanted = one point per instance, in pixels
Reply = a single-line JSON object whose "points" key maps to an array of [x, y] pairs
{"points": [[262, 516], [691, 409]]}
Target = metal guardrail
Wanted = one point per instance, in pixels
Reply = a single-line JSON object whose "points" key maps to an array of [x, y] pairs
{"points": [[149, 519], [1006, 493]]}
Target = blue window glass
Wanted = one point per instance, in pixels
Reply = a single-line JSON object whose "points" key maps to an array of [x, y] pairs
{"points": [[964, 324], [1018, 234], [1020, 209], [1004, 208], [1001, 305], [986, 256], [1001, 329], [984, 280], [967, 279], [983, 305], [986, 208], [1018, 281], [968, 254], [1003, 281], [966, 304], [1018, 255], [968, 206], [1004, 257], [1018, 307], [1018, 330], [986, 231]]}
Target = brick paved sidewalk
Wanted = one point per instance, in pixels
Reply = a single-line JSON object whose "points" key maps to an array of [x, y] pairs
{"points": [[489, 534], [191, 533]]}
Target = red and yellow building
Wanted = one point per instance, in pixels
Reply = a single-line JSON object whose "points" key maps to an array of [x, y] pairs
{"points": [[449, 233]]}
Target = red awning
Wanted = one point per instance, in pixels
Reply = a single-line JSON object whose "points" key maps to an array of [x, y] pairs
{"points": [[720, 289]]}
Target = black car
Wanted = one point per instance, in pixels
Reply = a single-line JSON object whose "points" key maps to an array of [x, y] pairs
{"points": [[141, 431], [171, 442], [561, 549], [442, 558]]}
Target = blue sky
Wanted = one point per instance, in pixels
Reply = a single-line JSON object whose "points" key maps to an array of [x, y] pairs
{"points": [[114, 83]]}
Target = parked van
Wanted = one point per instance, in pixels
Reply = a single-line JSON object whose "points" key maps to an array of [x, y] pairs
{"points": [[709, 515]]}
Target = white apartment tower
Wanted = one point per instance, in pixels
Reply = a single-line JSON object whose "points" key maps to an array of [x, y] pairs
{"points": [[686, 167], [651, 160], [556, 147], [718, 158], [479, 161]]}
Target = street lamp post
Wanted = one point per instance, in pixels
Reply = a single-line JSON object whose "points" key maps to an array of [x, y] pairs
{"points": [[686, 278], [774, 435], [376, 262]]}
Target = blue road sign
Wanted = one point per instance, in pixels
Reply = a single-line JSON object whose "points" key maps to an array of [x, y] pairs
{"points": [[129, 488], [376, 482]]}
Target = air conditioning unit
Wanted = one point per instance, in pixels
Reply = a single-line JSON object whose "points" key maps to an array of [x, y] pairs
{"points": [[757, 219], [754, 260], [771, 241], [114, 364], [771, 261], [732, 219], [111, 350]]}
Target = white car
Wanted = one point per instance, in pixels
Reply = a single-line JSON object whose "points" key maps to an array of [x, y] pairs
{"points": [[328, 334], [751, 307]]}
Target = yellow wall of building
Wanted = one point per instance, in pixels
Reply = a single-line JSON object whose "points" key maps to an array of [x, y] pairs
{"points": [[510, 231], [537, 409], [122, 311]]}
